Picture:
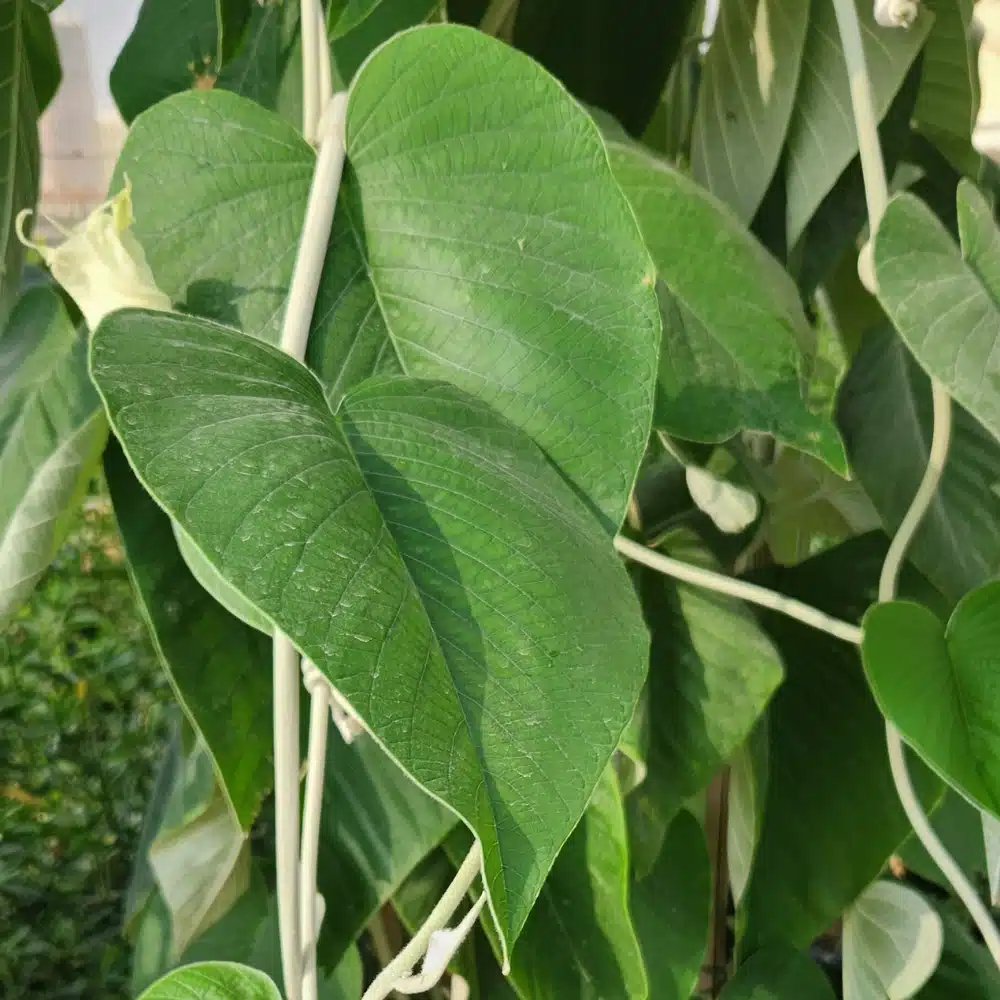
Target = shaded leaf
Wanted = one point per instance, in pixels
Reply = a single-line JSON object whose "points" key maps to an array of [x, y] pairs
{"points": [[219, 668], [937, 685], [213, 981], [43, 55], [944, 303], [711, 674], [670, 909], [831, 817], [892, 942], [958, 543], [19, 163], [419, 549], [822, 139], [778, 973], [532, 291], [611, 55], [966, 970], [733, 328], [747, 795], [579, 939], [750, 78], [174, 46], [52, 430], [376, 828], [959, 825]]}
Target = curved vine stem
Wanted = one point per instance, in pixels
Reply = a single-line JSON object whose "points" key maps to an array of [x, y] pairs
{"points": [[877, 195], [751, 592]]}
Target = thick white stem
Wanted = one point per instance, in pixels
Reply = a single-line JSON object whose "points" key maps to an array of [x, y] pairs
{"points": [[876, 190], [308, 22], [402, 965], [751, 592], [294, 336]]}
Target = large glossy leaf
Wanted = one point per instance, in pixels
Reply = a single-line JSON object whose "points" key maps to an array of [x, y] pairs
{"points": [[174, 46], [958, 543], [670, 909], [778, 973], [419, 549], [733, 328], [751, 76], [892, 942], [18, 143], [377, 826], [219, 668], [52, 431], [213, 981], [938, 686], [579, 940], [949, 84], [615, 56], [712, 672], [822, 139], [945, 303], [479, 240], [831, 817]]}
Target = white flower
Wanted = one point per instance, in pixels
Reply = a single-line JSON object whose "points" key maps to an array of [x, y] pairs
{"points": [[986, 135], [100, 263], [896, 13]]}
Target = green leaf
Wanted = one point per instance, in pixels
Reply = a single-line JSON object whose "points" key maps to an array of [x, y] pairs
{"points": [[831, 817], [174, 46], [958, 543], [747, 795], [219, 668], [959, 825], [943, 303], [751, 75], [52, 431], [733, 327], [892, 942], [43, 55], [812, 509], [213, 981], [579, 939], [615, 56], [778, 973], [966, 970], [712, 672], [670, 909], [936, 684], [419, 549], [531, 291], [949, 84], [18, 142], [377, 826], [822, 139]]}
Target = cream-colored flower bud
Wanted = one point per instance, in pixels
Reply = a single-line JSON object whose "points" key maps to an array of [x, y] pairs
{"points": [[986, 135], [100, 263], [896, 13]]}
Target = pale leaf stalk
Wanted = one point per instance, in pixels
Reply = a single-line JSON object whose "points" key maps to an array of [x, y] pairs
{"points": [[496, 17], [876, 191], [752, 592], [400, 968], [294, 337]]}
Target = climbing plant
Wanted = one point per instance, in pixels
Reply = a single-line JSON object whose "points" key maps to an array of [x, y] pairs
{"points": [[593, 410]]}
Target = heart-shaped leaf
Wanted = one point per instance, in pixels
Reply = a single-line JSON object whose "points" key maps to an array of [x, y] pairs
{"points": [[419, 549], [479, 240], [945, 303], [745, 100], [213, 981], [892, 943], [52, 431], [937, 684], [733, 329]]}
